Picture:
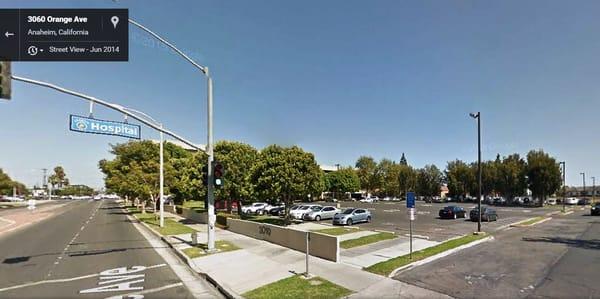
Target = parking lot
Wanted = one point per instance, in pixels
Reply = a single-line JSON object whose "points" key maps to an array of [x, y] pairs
{"points": [[392, 216]]}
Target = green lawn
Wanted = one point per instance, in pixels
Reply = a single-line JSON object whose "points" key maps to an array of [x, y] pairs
{"points": [[533, 220], [298, 287], [200, 249], [336, 231], [196, 205], [366, 240], [385, 268], [172, 227]]}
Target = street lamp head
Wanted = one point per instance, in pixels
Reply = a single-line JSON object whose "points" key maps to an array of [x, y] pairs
{"points": [[473, 115]]}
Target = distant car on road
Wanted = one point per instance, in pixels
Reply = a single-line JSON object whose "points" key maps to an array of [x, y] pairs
{"points": [[487, 214], [454, 212], [323, 213], [255, 208], [351, 216], [595, 210]]}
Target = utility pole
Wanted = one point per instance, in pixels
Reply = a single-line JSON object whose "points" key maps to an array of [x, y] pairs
{"points": [[478, 117]]}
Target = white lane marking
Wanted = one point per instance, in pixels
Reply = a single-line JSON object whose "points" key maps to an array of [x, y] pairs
{"points": [[148, 291], [82, 227], [10, 222], [63, 279], [119, 279]]}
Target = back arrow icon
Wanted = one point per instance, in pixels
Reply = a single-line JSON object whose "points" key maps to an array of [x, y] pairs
{"points": [[7, 34]]}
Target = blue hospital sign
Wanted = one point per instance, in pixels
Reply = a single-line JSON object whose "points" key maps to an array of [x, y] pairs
{"points": [[104, 127]]}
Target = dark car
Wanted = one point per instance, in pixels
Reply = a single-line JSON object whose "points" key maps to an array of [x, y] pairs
{"points": [[452, 212], [487, 214], [595, 210], [583, 202], [277, 211]]}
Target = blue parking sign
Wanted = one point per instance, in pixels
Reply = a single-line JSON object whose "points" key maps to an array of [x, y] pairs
{"points": [[410, 200]]}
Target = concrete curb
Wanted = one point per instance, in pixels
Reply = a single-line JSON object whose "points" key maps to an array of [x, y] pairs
{"points": [[439, 255], [230, 294]]}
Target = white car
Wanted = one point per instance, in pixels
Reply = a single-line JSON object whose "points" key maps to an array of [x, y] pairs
{"points": [[12, 198], [255, 208], [571, 201], [370, 199], [318, 213], [304, 209], [267, 209]]}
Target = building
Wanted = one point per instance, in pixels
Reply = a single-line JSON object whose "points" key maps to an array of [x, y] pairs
{"points": [[578, 191]]}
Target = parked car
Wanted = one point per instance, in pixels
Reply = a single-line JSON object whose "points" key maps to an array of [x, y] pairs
{"points": [[351, 216], [452, 212], [255, 208], [499, 201], [595, 210], [551, 201], [299, 212], [267, 209], [323, 213], [571, 201], [487, 214], [277, 211], [583, 202]]}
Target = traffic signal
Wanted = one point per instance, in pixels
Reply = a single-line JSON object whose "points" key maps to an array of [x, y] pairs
{"points": [[205, 175], [5, 80], [218, 172]]}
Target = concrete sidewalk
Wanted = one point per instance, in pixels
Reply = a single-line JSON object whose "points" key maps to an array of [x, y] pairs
{"points": [[365, 256], [259, 263]]}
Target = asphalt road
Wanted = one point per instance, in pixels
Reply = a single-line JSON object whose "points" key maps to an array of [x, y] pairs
{"points": [[553, 259], [73, 254], [392, 216]]}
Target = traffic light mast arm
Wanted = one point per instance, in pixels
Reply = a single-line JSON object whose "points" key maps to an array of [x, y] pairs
{"points": [[112, 106]]}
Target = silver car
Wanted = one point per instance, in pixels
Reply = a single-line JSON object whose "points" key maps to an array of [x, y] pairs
{"points": [[321, 213], [351, 216]]}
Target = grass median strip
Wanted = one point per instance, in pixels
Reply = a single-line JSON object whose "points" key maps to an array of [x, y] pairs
{"points": [[171, 226], [385, 268], [298, 287], [200, 249], [366, 240], [532, 221], [336, 231]]}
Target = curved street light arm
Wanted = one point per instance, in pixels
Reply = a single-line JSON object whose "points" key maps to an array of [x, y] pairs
{"points": [[112, 106]]}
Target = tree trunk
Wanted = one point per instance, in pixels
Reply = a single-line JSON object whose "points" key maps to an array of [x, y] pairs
{"points": [[286, 201], [229, 205]]}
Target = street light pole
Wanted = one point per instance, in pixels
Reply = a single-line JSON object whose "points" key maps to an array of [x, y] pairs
{"points": [[478, 117], [209, 145], [583, 174], [564, 186], [162, 181]]}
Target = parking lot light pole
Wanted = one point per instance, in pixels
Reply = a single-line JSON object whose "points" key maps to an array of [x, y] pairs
{"points": [[583, 192], [478, 117], [593, 189], [564, 186]]}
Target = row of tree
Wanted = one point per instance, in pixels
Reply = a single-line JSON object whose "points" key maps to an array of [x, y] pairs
{"points": [[508, 176], [290, 173], [273, 173]]}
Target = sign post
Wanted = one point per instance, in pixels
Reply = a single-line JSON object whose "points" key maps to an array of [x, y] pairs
{"points": [[410, 205]]}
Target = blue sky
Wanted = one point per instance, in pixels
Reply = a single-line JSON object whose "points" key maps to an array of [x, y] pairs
{"points": [[339, 78]]}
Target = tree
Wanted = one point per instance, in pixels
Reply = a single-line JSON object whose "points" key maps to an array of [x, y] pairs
{"points": [[403, 160], [367, 173], [341, 181], [237, 158], [543, 175], [460, 177], [58, 178], [7, 185], [76, 190], [286, 173], [429, 180], [388, 172], [407, 178], [134, 171], [511, 174]]}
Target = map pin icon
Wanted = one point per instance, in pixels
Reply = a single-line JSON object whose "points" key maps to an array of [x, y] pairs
{"points": [[114, 20]]}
